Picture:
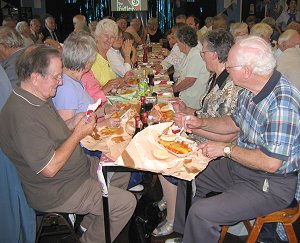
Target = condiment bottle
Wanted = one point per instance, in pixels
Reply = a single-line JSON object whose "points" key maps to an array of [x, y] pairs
{"points": [[137, 125]]}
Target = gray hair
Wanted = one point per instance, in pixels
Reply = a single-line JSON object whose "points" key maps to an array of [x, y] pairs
{"points": [[238, 29], [106, 25], [187, 35], [21, 27], [286, 36], [261, 30], [219, 41], [10, 38], [79, 49], [257, 53]]}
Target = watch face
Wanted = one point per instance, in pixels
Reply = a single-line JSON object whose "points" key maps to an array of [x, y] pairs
{"points": [[227, 150]]}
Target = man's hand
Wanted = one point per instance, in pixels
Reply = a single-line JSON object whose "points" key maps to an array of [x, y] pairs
{"points": [[212, 149], [85, 126]]}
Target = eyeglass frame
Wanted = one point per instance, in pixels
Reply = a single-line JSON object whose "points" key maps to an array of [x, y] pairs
{"points": [[58, 79], [234, 66]]}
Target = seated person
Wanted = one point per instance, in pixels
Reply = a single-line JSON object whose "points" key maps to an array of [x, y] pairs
{"points": [[133, 29], [153, 31], [219, 99], [71, 98], [258, 175], [175, 57], [56, 175], [119, 55], [193, 78]]}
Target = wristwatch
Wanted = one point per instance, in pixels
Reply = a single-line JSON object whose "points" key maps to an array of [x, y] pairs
{"points": [[227, 150]]}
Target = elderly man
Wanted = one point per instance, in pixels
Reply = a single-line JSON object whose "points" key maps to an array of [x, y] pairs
{"points": [[258, 174], [50, 30], [56, 174], [288, 39], [35, 35], [133, 29], [11, 44], [80, 24]]}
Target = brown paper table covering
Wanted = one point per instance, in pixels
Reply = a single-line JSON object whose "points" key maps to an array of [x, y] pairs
{"points": [[138, 155], [114, 145]]}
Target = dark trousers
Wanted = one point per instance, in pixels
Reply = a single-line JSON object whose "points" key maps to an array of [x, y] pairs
{"points": [[245, 194]]}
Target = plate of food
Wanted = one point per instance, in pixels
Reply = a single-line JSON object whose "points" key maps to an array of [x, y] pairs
{"points": [[103, 132], [133, 82], [177, 145]]}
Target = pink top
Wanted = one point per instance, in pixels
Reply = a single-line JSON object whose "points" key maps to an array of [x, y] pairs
{"points": [[93, 87]]}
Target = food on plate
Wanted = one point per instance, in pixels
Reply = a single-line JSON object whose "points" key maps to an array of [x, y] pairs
{"points": [[160, 115], [121, 112], [125, 91], [133, 82], [168, 137], [165, 108], [177, 147], [107, 131], [118, 139], [160, 154]]}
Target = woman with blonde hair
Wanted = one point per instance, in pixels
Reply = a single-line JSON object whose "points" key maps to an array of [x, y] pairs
{"points": [[105, 34]]}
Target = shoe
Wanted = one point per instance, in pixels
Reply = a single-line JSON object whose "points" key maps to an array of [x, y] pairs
{"points": [[174, 240], [162, 205], [137, 188], [164, 228]]}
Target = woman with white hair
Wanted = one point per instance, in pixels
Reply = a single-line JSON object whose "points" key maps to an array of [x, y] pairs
{"points": [[79, 53], [262, 30], [105, 34], [24, 30]]}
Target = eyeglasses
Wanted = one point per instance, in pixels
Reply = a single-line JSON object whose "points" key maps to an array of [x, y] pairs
{"points": [[203, 52], [234, 66], [57, 78]]}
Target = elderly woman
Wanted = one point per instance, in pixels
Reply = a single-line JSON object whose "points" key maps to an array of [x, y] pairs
{"points": [[71, 98], [105, 34], [24, 30], [262, 30], [219, 99], [119, 55], [193, 78], [153, 30]]}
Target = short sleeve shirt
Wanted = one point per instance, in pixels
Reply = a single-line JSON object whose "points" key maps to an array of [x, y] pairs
{"points": [[269, 121], [31, 131], [102, 70], [194, 67], [71, 95]]}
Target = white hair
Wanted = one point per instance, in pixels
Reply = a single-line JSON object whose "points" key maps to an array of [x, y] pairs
{"points": [[286, 36], [21, 27], [106, 25], [257, 53]]}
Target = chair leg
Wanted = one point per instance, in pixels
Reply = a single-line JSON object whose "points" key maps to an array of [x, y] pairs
{"points": [[289, 230], [254, 232], [223, 233]]}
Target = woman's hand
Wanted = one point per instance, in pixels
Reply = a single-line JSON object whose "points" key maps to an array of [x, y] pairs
{"points": [[127, 47], [165, 52], [212, 149]]}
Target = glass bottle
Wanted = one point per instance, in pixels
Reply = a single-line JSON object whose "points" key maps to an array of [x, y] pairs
{"points": [[145, 120], [137, 125], [145, 55]]}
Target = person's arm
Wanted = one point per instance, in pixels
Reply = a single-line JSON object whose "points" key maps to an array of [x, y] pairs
{"points": [[252, 158], [83, 128], [183, 84]]}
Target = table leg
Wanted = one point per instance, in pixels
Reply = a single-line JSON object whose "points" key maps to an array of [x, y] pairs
{"points": [[188, 201], [106, 210]]}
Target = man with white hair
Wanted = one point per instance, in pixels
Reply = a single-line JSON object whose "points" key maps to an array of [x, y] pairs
{"points": [[50, 29], [288, 39], [258, 174], [133, 29]]}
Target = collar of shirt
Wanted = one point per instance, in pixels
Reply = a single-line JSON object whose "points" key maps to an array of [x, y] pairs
{"points": [[267, 89], [28, 97]]}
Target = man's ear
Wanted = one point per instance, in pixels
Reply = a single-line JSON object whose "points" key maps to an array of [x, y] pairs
{"points": [[34, 77], [248, 70]]}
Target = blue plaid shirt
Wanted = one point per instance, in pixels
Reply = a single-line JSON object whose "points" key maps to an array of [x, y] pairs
{"points": [[269, 121]]}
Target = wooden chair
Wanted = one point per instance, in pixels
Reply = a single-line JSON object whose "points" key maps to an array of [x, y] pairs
{"points": [[286, 216]]}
